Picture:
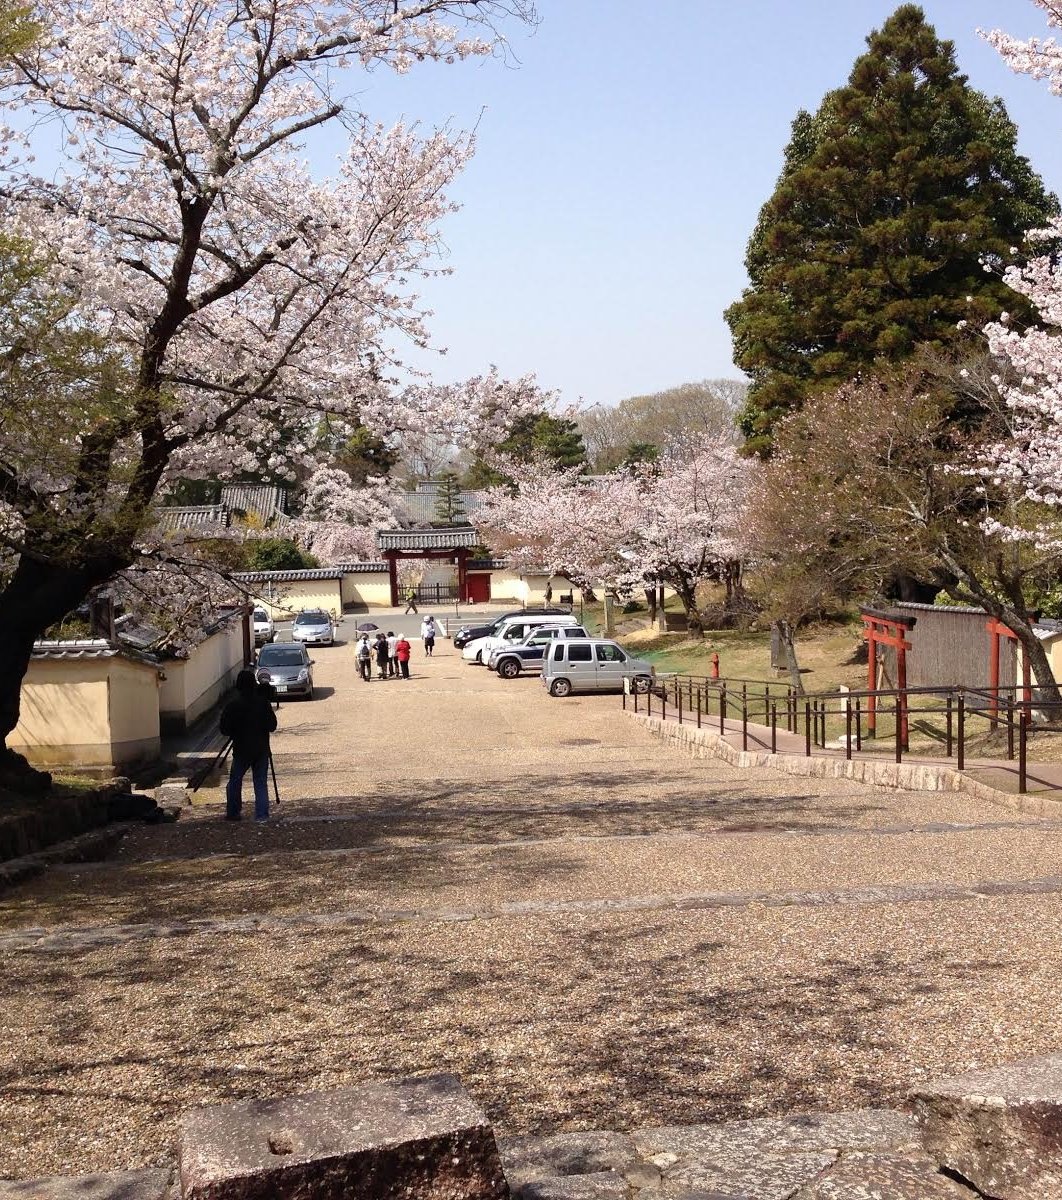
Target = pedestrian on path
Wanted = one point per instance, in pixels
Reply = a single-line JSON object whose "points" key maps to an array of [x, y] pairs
{"points": [[411, 599], [248, 720], [392, 657], [364, 656], [549, 592], [428, 630], [403, 649], [381, 655]]}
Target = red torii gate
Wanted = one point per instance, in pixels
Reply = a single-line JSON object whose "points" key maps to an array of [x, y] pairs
{"points": [[996, 631], [887, 629]]}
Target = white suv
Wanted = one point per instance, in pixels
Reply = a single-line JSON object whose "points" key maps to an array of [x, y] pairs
{"points": [[514, 630], [262, 626]]}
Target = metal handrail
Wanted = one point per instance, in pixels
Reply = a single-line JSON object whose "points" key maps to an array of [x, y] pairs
{"points": [[1004, 707]]}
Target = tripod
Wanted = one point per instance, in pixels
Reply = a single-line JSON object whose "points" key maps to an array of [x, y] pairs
{"points": [[222, 754]]}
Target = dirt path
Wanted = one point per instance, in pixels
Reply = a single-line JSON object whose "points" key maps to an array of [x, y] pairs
{"points": [[590, 928]]}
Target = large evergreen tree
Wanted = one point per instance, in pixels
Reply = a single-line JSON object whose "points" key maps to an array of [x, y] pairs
{"points": [[537, 434], [891, 199]]}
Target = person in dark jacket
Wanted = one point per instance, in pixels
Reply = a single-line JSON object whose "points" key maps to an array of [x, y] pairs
{"points": [[248, 721], [383, 654]]}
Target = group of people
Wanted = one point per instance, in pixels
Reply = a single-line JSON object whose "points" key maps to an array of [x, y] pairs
{"points": [[392, 653]]}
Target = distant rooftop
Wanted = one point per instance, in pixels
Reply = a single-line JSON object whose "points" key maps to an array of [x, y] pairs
{"points": [[263, 499], [453, 537]]}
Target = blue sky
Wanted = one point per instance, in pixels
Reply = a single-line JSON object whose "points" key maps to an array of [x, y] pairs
{"points": [[621, 164]]}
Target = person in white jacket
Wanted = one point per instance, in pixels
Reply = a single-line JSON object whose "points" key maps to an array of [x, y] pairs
{"points": [[428, 630]]}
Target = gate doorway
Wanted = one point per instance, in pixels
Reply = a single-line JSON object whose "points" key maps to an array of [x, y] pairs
{"points": [[478, 584]]}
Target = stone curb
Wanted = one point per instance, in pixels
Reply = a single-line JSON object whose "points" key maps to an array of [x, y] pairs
{"points": [[96, 843], [915, 777]]}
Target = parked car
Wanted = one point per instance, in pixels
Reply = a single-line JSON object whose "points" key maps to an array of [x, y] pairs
{"points": [[593, 665], [289, 668], [313, 626], [468, 633], [510, 631], [262, 626], [510, 661]]}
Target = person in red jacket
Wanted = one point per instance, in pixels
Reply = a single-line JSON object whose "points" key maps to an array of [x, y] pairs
{"points": [[402, 652]]}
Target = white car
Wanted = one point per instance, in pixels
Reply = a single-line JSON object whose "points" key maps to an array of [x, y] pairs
{"points": [[514, 630], [262, 627]]}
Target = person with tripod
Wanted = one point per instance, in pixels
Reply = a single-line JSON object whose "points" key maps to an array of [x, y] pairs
{"points": [[248, 720]]}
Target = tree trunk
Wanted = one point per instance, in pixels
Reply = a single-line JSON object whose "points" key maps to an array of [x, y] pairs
{"points": [[38, 595], [650, 601], [735, 606], [694, 620], [789, 646]]}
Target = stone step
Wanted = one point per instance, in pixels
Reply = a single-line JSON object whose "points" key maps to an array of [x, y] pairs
{"points": [[1000, 1128]]}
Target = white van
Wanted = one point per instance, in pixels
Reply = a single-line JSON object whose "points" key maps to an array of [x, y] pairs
{"points": [[511, 631], [593, 665]]}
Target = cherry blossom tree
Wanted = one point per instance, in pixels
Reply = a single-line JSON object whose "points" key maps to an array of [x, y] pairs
{"points": [[1030, 459], [678, 520], [218, 301]]}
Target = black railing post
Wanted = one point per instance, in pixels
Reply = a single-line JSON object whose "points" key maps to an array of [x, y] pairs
{"points": [[848, 730], [1023, 752], [774, 728], [961, 763], [744, 720], [1010, 730], [678, 695], [949, 738], [635, 699], [663, 704], [699, 704], [899, 728], [859, 725], [807, 728], [722, 710]]}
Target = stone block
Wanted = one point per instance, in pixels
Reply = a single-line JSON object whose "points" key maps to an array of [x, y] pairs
{"points": [[526, 1159], [881, 1176], [418, 1139], [117, 1185], [601, 1185], [999, 1128]]}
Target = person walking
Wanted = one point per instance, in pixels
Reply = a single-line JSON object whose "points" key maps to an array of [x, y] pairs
{"points": [[248, 720], [403, 649], [549, 592], [381, 655], [411, 599], [363, 654], [428, 630], [392, 658]]}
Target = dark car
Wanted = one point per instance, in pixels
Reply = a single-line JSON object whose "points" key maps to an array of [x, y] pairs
{"points": [[470, 632], [289, 668]]}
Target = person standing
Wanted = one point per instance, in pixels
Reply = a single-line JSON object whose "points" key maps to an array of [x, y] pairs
{"points": [[248, 720], [364, 656], [381, 655], [392, 658], [411, 599], [549, 592], [403, 649], [428, 631]]}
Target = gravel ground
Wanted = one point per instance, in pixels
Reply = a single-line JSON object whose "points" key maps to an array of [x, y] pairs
{"points": [[460, 790]]}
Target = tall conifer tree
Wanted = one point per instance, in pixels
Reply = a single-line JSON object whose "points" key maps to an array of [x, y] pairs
{"points": [[892, 198]]}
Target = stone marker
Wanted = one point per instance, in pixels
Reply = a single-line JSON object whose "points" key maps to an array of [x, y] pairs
{"points": [[418, 1139], [119, 1185], [999, 1128]]}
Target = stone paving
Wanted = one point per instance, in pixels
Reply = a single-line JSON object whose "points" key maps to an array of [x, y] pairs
{"points": [[592, 930]]}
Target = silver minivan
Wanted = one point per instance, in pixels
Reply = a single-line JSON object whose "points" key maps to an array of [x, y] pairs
{"points": [[593, 665]]}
